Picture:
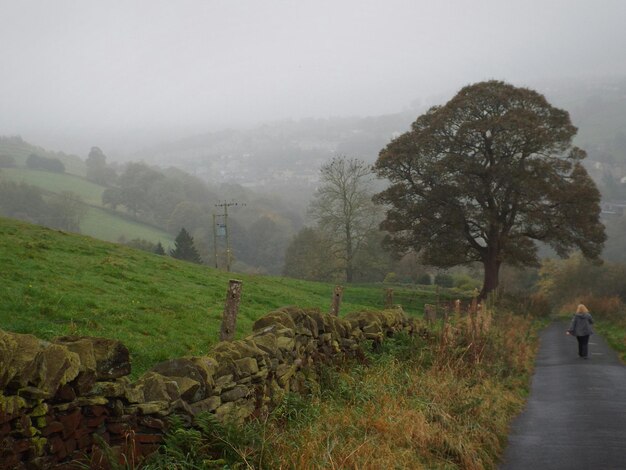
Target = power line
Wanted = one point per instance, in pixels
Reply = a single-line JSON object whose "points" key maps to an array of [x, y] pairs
{"points": [[224, 206]]}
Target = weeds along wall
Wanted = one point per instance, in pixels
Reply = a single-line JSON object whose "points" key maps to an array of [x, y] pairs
{"points": [[60, 400]]}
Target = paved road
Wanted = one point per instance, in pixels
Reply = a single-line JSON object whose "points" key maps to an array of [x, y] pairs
{"points": [[575, 417]]}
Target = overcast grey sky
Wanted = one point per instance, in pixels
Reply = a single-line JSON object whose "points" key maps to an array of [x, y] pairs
{"points": [[76, 72]]}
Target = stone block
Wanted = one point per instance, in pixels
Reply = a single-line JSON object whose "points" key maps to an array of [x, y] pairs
{"points": [[189, 389], [17, 357], [70, 422], [134, 394], [153, 423], [52, 428], [201, 372], [240, 391], [266, 341], [65, 393], [148, 408], [53, 366], [111, 357], [157, 387], [91, 401], [208, 404], [247, 366], [285, 343], [278, 317]]}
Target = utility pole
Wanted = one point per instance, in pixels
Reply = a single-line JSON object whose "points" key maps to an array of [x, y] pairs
{"points": [[225, 206], [215, 240]]}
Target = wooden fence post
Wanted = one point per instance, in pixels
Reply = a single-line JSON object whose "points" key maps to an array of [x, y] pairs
{"points": [[388, 298], [229, 317], [336, 302], [430, 313]]}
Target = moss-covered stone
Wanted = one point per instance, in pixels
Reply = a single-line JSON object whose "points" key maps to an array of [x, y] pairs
{"points": [[280, 317], [157, 387], [240, 391], [40, 410], [11, 405], [247, 366], [111, 357], [17, 359], [189, 389], [208, 404], [197, 371], [266, 342], [54, 366], [38, 445]]}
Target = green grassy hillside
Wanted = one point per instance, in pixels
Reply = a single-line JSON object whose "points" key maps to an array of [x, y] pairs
{"points": [[106, 225], [54, 283], [97, 222], [90, 193]]}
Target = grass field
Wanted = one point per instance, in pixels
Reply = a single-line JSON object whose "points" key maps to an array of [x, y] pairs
{"points": [[97, 222], [102, 224], [55, 283], [91, 193]]}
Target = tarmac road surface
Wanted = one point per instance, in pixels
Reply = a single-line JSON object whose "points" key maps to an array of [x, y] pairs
{"points": [[575, 417]]}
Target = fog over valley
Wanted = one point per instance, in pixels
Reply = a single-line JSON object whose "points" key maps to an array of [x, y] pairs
{"points": [[129, 75], [169, 108]]}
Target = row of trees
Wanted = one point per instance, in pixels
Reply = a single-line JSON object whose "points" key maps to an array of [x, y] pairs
{"points": [[37, 162], [481, 179], [172, 199]]}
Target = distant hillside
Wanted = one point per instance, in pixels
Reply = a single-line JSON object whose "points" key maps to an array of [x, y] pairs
{"points": [[20, 150], [287, 154], [97, 221], [54, 283]]}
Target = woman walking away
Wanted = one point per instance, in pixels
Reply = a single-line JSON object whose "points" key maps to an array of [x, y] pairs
{"points": [[581, 328]]}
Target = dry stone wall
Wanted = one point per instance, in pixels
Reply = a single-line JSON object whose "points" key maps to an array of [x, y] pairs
{"points": [[60, 400]]}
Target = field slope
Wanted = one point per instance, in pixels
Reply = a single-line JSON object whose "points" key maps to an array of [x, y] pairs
{"points": [[54, 283], [98, 221]]}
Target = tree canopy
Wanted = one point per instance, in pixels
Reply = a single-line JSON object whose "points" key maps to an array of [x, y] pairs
{"points": [[97, 169], [485, 176], [343, 208]]}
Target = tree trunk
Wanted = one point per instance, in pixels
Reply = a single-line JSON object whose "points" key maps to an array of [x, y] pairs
{"points": [[491, 278], [349, 269]]}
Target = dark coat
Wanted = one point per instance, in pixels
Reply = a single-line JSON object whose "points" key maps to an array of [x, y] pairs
{"points": [[581, 325]]}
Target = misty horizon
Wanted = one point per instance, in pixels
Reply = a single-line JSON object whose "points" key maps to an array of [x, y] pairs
{"points": [[125, 76]]}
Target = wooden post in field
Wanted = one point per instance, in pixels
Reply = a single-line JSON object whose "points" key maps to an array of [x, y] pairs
{"points": [[389, 298], [231, 309], [457, 308], [430, 313], [336, 301]]}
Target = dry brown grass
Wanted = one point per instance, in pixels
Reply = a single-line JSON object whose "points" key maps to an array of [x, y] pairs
{"points": [[602, 306], [438, 404]]}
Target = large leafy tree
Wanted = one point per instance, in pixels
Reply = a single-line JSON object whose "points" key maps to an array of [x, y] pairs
{"points": [[97, 169], [485, 176]]}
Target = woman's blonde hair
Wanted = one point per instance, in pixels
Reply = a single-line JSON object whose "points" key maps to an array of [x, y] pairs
{"points": [[581, 309]]}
